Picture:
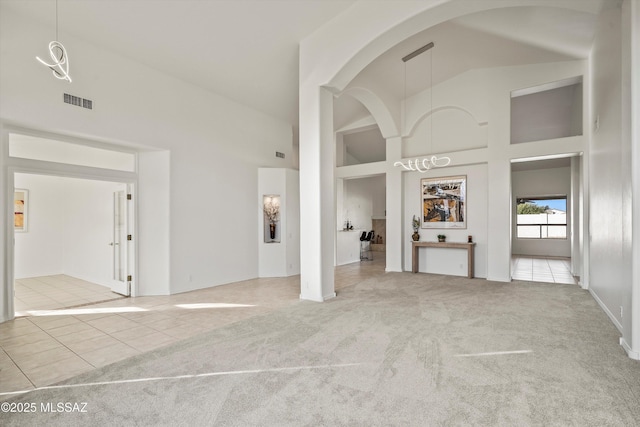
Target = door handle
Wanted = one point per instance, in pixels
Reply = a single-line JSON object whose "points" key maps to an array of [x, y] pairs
{"points": [[113, 244]]}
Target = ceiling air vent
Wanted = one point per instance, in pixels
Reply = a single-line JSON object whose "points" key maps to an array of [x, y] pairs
{"points": [[279, 154], [77, 101]]}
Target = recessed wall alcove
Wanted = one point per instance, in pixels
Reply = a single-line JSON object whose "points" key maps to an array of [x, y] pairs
{"points": [[362, 146], [548, 111]]}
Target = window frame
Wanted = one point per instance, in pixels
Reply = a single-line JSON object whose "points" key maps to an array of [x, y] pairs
{"points": [[520, 200]]}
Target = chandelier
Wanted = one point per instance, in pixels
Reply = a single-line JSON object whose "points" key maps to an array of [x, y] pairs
{"points": [[427, 162], [60, 64]]}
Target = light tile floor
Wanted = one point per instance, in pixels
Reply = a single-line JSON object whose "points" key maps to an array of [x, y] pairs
{"points": [[48, 346], [57, 291], [551, 270]]}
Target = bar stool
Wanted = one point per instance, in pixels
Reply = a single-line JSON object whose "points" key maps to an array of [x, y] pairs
{"points": [[366, 254]]}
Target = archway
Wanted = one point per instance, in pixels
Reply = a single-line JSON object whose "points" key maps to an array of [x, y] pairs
{"points": [[327, 68]]}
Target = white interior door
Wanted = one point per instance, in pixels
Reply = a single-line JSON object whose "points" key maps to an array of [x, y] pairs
{"points": [[119, 244]]}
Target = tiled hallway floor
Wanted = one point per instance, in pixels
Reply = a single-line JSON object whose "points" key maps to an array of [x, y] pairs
{"points": [[48, 346], [57, 291], [551, 270]]}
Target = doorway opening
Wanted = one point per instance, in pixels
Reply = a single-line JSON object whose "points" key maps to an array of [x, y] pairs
{"points": [[72, 248], [362, 225], [69, 236], [546, 244]]}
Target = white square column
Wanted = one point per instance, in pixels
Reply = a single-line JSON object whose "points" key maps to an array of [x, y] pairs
{"points": [[317, 194], [394, 205], [634, 24]]}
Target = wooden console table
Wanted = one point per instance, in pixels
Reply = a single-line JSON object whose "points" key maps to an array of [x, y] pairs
{"points": [[468, 246]]}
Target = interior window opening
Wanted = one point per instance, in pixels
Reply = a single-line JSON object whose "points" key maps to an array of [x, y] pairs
{"points": [[541, 217]]}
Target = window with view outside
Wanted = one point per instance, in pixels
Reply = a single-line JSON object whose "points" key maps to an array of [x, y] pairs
{"points": [[541, 218]]}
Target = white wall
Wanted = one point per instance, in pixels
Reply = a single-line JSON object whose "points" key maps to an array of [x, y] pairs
{"points": [[631, 122], [458, 121], [70, 228], [293, 222], [214, 148], [154, 219], [40, 250], [89, 229], [51, 150], [348, 246], [484, 97], [542, 182], [549, 114], [450, 261], [326, 63], [610, 186], [370, 138], [363, 199], [282, 258]]}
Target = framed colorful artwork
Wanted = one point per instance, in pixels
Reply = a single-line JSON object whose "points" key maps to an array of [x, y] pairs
{"points": [[444, 202]]}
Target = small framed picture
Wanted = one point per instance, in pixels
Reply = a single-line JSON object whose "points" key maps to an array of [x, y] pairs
{"points": [[20, 209]]}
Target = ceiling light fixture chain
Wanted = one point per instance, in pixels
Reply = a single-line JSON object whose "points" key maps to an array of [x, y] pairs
{"points": [[426, 163], [430, 101], [60, 64]]}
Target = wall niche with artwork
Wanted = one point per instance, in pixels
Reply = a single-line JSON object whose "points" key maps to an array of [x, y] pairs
{"points": [[278, 212], [271, 226]]}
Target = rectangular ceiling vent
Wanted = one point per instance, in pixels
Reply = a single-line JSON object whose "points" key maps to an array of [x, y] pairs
{"points": [[279, 154], [77, 101]]}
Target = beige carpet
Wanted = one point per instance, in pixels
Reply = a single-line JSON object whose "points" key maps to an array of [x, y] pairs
{"points": [[399, 349]]}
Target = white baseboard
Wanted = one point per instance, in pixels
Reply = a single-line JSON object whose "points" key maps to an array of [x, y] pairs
{"points": [[627, 348], [310, 298], [322, 299], [632, 354], [331, 295], [497, 279], [606, 310]]}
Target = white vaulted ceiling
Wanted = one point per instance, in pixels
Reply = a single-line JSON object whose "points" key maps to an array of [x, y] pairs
{"points": [[504, 37], [247, 50]]}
